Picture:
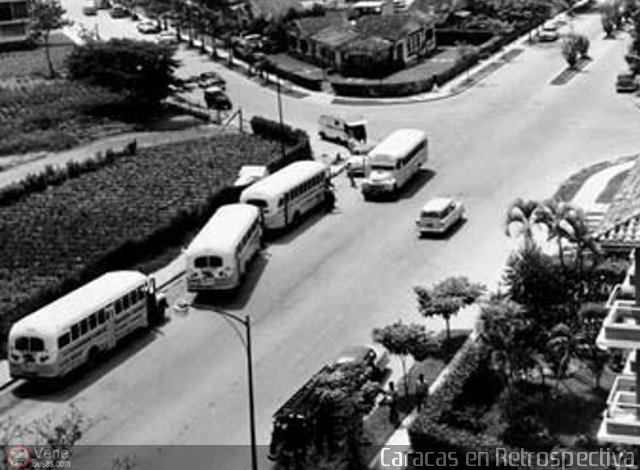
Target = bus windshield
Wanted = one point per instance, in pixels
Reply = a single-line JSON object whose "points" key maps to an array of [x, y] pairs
{"points": [[358, 132], [382, 167]]}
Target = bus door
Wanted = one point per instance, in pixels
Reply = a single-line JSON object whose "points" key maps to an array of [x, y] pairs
{"points": [[155, 305], [110, 318], [286, 209]]}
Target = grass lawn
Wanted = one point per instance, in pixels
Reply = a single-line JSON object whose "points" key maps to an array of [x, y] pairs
{"points": [[570, 187], [610, 191], [33, 62], [377, 427]]}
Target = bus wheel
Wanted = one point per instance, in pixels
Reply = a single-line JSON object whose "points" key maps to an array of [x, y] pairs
{"points": [[94, 356]]}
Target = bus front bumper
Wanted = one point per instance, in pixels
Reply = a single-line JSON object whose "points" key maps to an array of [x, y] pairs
{"points": [[33, 371]]}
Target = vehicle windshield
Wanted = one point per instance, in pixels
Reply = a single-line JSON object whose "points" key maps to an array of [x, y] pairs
{"points": [[257, 202], [358, 132], [382, 167], [24, 343], [208, 262], [431, 214]]}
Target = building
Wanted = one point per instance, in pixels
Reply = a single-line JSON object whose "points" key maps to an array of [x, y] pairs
{"points": [[14, 21], [368, 45]]}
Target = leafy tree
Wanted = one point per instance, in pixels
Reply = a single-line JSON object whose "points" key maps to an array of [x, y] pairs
{"points": [[47, 15], [574, 46], [144, 71], [548, 292], [511, 338], [591, 316], [609, 17], [404, 340], [447, 298]]}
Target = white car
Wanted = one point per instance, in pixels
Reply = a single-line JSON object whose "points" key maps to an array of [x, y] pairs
{"points": [[148, 27], [549, 33], [438, 216]]}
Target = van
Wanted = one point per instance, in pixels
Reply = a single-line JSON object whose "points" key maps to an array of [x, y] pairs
{"points": [[348, 131]]}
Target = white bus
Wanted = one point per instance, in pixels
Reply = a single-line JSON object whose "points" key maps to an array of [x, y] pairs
{"points": [[218, 257], [288, 194], [77, 328], [393, 162]]}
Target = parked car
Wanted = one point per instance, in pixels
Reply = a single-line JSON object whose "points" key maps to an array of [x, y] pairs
{"points": [[365, 355], [626, 82], [89, 8], [118, 11], [211, 79], [249, 174], [149, 27], [438, 215], [548, 33], [216, 98], [167, 37]]}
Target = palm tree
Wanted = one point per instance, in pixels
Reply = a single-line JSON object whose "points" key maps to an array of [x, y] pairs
{"points": [[557, 216], [577, 231], [522, 217]]}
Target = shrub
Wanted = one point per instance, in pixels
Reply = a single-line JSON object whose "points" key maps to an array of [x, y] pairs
{"points": [[297, 141]]}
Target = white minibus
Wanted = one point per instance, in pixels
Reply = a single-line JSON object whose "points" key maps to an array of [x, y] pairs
{"points": [[218, 257], [77, 328], [288, 194], [393, 162]]}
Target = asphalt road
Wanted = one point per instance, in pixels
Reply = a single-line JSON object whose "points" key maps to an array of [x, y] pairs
{"points": [[329, 283]]}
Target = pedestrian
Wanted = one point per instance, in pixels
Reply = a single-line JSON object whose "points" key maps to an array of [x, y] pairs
{"points": [[352, 179], [330, 200], [392, 403], [422, 392]]}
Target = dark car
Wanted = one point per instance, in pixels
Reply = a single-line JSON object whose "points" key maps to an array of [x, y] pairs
{"points": [[118, 11], [626, 83], [211, 79], [216, 98]]}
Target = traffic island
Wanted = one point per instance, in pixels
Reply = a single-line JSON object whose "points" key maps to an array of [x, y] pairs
{"points": [[566, 75]]}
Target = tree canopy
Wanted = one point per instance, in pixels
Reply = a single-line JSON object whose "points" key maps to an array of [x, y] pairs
{"points": [[142, 70]]}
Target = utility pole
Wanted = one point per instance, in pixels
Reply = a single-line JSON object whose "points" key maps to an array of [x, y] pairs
{"points": [[282, 150]]}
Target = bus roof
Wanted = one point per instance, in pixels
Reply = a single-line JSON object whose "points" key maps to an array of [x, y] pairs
{"points": [[396, 144], [282, 180], [225, 229], [69, 309]]}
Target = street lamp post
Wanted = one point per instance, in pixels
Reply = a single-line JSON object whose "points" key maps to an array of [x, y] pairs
{"points": [[246, 322], [280, 118]]}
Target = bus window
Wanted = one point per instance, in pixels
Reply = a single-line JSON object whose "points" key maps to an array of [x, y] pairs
{"points": [[22, 344], [75, 332], [64, 340], [36, 345], [84, 326], [101, 318], [118, 307], [125, 302], [93, 321], [215, 261], [200, 262]]}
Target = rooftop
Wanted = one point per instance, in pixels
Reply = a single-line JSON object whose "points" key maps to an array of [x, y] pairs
{"points": [[621, 224], [391, 27]]}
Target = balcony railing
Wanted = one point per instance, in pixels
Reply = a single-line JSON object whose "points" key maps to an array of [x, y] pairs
{"points": [[621, 419], [621, 327]]}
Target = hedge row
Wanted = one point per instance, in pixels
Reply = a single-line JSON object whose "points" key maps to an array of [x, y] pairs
{"points": [[297, 145], [314, 84], [54, 176], [382, 89]]}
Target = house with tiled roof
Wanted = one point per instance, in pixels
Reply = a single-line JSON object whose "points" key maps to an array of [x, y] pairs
{"points": [[620, 226], [14, 21], [369, 43]]}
